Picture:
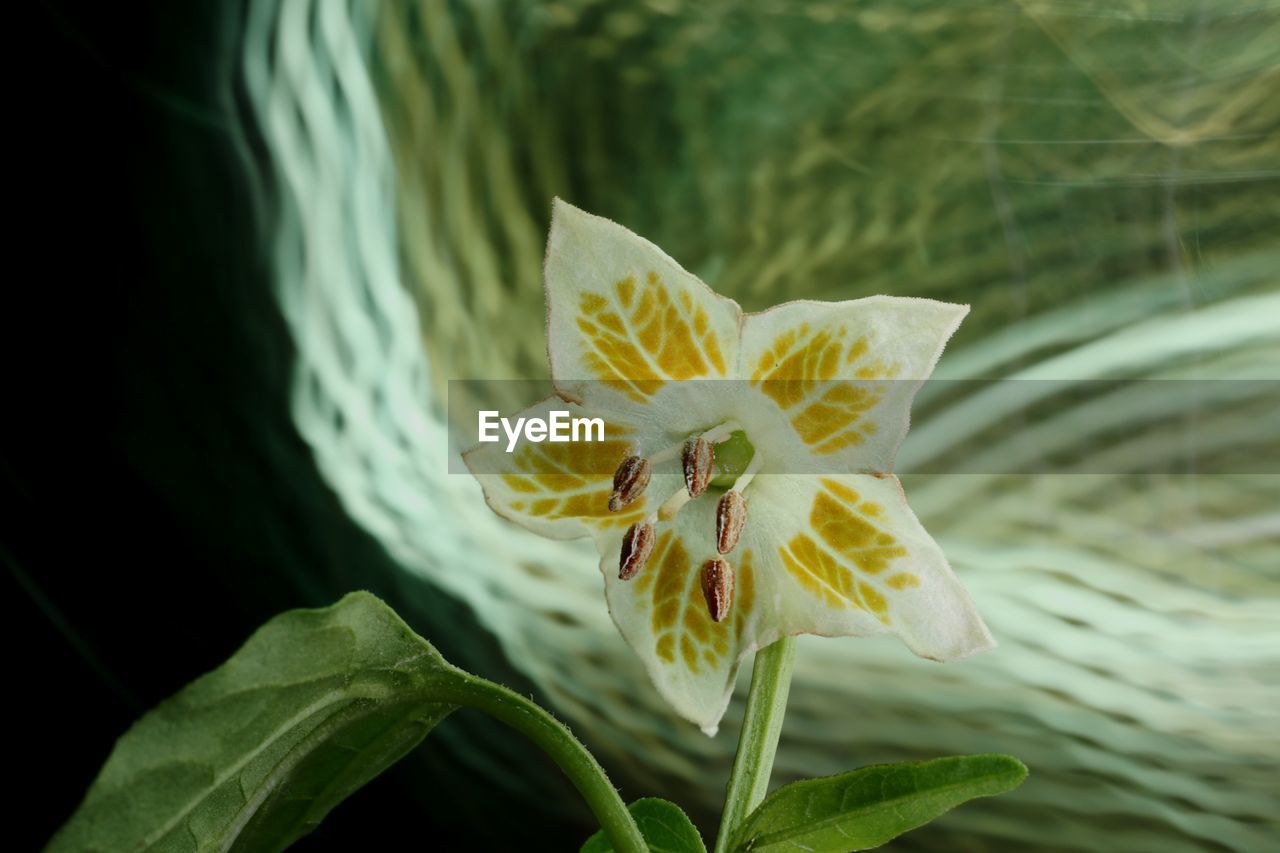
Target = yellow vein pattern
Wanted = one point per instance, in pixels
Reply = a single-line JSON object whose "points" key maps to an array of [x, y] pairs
{"points": [[810, 371], [683, 630], [848, 560], [646, 335], [568, 480]]}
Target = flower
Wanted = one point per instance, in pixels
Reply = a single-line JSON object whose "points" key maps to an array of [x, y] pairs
{"points": [[731, 513]]}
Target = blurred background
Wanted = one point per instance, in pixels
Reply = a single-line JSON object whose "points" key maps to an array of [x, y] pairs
{"points": [[268, 232]]}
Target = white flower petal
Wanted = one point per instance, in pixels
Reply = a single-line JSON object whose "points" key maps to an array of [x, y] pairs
{"points": [[661, 613], [841, 376], [623, 319], [559, 490], [849, 557]]}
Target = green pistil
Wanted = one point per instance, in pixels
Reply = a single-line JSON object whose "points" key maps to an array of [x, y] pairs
{"points": [[732, 457]]}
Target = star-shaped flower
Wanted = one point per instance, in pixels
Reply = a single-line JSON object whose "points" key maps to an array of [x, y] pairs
{"points": [[731, 513]]}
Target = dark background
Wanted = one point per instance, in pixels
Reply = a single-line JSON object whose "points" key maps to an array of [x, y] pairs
{"points": [[158, 504]]}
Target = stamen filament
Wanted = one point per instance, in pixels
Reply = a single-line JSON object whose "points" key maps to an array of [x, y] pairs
{"points": [[674, 504], [753, 468], [715, 435]]}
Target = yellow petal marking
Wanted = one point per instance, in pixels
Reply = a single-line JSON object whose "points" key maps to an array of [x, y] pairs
{"points": [[572, 480], [683, 630], [848, 537], [802, 371], [647, 335], [903, 580]]}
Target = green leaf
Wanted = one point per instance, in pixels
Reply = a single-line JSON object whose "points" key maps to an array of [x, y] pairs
{"points": [[866, 808], [666, 829], [255, 753]]}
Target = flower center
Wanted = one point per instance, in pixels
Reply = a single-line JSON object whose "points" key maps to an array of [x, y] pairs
{"points": [[723, 457], [733, 455]]}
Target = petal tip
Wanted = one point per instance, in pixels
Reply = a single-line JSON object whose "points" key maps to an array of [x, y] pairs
{"points": [[981, 641]]}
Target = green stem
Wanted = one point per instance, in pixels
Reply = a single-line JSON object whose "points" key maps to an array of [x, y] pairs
{"points": [[761, 727], [557, 741]]}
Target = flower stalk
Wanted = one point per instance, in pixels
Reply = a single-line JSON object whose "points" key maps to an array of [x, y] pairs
{"points": [[758, 742]]}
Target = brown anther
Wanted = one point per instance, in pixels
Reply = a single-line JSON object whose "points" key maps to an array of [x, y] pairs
{"points": [[630, 481], [731, 517], [717, 588], [698, 459], [637, 545]]}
